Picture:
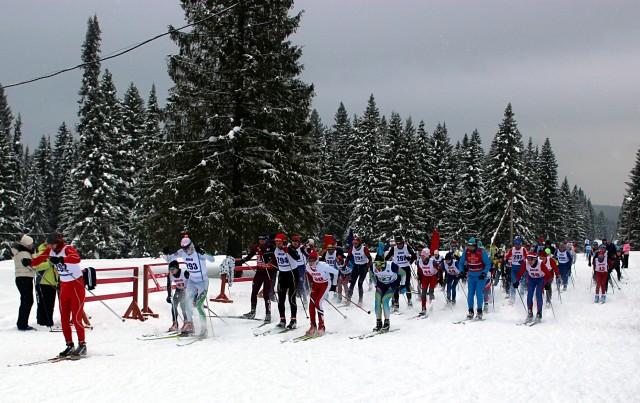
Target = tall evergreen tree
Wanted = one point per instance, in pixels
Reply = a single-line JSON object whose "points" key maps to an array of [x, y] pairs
{"points": [[549, 194], [504, 179], [629, 222], [42, 167], [424, 173], [567, 218], [63, 162], [236, 85], [470, 193], [10, 216], [443, 178]]}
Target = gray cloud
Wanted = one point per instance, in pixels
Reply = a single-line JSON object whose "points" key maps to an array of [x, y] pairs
{"points": [[568, 67]]}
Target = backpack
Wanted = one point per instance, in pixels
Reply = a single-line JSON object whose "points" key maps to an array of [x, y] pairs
{"points": [[89, 277]]}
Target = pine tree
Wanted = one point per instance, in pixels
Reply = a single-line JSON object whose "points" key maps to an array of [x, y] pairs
{"points": [[505, 183], [470, 193], [567, 218], [63, 162], [443, 180], [42, 168], [424, 174], [549, 194], [236, 85], [629, 222], [10, 215], [18, 152]]}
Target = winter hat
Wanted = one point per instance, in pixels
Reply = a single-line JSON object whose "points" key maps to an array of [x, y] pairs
{"points": [[173, 265], [186, 242], [449, 256], [26, 240], [280, 238], [472, 241], [517, 241], [295, 238], [425, 252], [313, 256]]}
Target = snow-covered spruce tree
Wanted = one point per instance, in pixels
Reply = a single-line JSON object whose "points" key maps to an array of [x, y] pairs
{"points": [[504, 182], [567, 218], [549, 194], [236, 129], [150, 161], [63, 162], [362, 172], [35, 204], [629, 222], [470, 191], [424, 178], [335, 200], [579, 205], [10, 215], [530, 176], [443, 179], [20, 176], [43, 168]]}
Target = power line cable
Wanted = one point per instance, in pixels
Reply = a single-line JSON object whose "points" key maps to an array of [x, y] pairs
{"points": [[127, 50]]}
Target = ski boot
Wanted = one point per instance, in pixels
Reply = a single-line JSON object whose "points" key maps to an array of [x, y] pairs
{"points": [[81, 350], [385, 327], [479, 314], [311, 331], [486, 308], [423, 312], [603, 299], [250, 315], [272, 297], [187, 328], [529, 317], [597, 299], [395, 306], [470, 314], [360, 302], [564, 288], [68, 351], [538, 317], [174, 327], [320, 330], [267, 317], [282, 324], [378, 325], [292, 324], [409, 303]]}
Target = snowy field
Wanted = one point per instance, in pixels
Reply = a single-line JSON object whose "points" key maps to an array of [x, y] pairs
{"points": [[586, 353]]}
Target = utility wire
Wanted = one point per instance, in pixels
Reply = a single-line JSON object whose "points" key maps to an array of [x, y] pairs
{"points": [[127, 50]]}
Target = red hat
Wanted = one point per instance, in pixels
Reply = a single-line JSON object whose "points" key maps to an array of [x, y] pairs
{"points": [[356, 239], [541, 239], [295, 238], [313, 255], [280, 238]]}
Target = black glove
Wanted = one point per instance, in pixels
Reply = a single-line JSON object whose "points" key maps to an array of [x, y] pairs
{"points": [[55, 259], [26, 261], [169, 299], [165, 250], [547, 287], [333, 287], [516, 284], [199, 250], [242, 261], [483, 275]]}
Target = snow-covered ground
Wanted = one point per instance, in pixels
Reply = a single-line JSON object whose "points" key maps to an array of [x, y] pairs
{"points": [[588, 352]]}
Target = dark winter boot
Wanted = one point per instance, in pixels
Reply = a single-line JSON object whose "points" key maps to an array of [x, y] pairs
{"points": [[267, 317], [67, 351], [385, 327], [282, 324], [81, 350], [378, 325], [479, 314], [470, 314], [251, 314], [292, 325], [603, 299], [539, 316], [529, 316]]}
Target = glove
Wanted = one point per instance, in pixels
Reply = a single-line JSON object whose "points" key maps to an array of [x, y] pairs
{"points": [[199, 250], [165, 250], [54, 259], [169, 299], [547, 287], [26, 261], [333, 287], [483, 275], [516, 284], [242, 261]]}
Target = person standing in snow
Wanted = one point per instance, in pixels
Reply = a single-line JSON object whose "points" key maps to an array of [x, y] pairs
{"points": [[360, 257], [265, 274], [563, 256], [46, 290], [428, 273], [67, 262], [287, 262], [452, 276], [319, 275], [478, 265], [301, 264], [550, 263], [179, 278], [625, 250], [24, 279], [587, 253], [198, 283], [537, 272], [601, 268], [403, 255], [388, 278], [515, 258]]}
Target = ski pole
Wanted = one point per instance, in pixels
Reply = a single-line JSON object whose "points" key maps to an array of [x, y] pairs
{"points": [[215, 315], [358, 306], [334, 307], [522, 300], [559, 294], [462, 288], [304, 308], [611, 278], [552, 311]]}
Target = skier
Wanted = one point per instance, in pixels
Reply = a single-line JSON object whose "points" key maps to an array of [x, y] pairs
{"points": [[486, 290], [537, 272], [287, 260], [452, 276], [265, 273], [587, 253], [403, 255], [550, 263], [617, 262], [478, 265], [329, 255], [388, 278], [515, 258], [360, 257], [563, 256], [198, 283], [344, 277], [301, 264], [67, 262], [319, 275], [179, 278], [626, 249], [428, 273], [601, 267]]}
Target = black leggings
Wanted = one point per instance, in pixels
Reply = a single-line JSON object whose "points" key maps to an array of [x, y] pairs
{"points": [[287, 284], [46, 296], [358, 275], [263, 276], [25, 287]]}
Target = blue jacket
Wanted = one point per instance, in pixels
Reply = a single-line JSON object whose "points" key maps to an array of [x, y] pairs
{"points": [[484, 257]]}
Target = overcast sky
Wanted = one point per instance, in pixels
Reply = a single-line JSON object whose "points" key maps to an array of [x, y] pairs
{"points": [[569, 68]]}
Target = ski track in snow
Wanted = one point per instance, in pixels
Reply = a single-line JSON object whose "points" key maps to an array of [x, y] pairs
{"points": [[589, 352]]}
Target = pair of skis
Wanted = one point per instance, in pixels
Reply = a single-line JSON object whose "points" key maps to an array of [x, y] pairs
{"points": [[52, 360], [373, 334], [188, 338]]}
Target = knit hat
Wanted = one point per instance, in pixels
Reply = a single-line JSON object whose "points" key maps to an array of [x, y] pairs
{"points": [[26, 240], [185, 242]]}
